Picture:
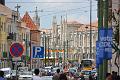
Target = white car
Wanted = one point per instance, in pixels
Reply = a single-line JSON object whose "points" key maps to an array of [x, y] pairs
{"points": [[25, 75], [46, 78], [7, 72]]}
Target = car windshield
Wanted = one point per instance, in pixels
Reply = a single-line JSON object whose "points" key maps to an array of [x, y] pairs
{"points": [[26, 73], [13, 71], [72, 70], [6, 72], [93, 72]]}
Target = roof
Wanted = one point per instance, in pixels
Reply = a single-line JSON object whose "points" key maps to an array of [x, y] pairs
{"points": [[87, 26], [73, 22], [29, 23], [6, 11]]}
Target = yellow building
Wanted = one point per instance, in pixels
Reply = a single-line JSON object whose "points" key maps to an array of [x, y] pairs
{"points": [[3, 34], [5, 17]]}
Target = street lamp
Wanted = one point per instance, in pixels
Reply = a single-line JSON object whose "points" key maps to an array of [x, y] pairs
{"points": [[86, 41], [26, 52], [44, 35]]}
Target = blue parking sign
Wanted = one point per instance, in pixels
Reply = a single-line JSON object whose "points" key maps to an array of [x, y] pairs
{"points": [[38, 52]]}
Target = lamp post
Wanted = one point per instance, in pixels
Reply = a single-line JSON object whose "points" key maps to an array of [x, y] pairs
{"points": [[44, 35], [48, 53], [26, 51], [86, 42]]}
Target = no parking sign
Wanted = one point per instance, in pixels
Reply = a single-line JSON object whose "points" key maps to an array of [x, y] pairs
{"points": [[16, 50]]}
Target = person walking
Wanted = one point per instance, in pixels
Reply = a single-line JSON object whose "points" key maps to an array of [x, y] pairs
{"points": [[36, 76], [63, 77], [90, 77], [57, 75], [108, 76], [2, 75]]}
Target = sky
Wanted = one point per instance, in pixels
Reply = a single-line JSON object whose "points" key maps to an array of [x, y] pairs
{"points": [[76, 10]]}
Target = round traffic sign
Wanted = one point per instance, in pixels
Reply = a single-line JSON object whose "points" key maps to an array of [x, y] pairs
{"points": [[16, 50]]}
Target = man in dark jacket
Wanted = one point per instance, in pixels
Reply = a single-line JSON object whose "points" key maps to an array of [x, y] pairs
{"points": [[57, 75]]}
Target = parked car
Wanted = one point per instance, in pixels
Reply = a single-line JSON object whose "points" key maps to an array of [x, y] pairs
{"points": [[55, 69], [48, 70], [46, 78], [7, 72], [86, 73], [25, 75], [73, 70], [13, 73]]}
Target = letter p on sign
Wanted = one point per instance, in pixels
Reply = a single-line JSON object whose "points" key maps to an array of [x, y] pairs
{"points": [[38, 52]]}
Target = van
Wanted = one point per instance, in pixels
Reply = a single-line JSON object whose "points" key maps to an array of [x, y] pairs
{"points": [[7, 72]]}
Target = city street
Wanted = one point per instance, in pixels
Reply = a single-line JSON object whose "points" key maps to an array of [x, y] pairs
{"points": [[59, 39]]}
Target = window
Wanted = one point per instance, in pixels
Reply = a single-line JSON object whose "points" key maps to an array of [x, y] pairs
{"points": [[4, 27], [81, 40], [88, 40], [0, 25]]}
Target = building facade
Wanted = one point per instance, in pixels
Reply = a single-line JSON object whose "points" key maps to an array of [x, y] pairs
{"points": [[34, 38], [115, 23]]}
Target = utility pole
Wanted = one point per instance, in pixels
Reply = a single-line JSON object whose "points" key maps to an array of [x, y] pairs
{"points": [[48, 52], [17, 10], [90, 56], [105, 61], [67, 49], [64, 52], [100, 24]]}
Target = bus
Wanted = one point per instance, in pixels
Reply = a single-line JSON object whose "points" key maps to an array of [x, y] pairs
{"points": [[87, 64]]}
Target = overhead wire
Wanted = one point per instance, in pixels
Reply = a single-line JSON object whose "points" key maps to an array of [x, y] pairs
{"points": [[65, 11], [47, 2]]}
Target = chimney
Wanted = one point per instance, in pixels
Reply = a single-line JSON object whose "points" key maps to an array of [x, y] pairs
{"points": [[2, 2]]}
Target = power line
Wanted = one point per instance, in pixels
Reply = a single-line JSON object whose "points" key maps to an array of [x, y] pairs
{"points": [[65, 11], [47, 2], [68, 10]]}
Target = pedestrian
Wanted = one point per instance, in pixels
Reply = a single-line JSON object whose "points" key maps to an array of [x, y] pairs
{"points": [[2, 75], [36, 76], [56, 75], [90, 77], [82, 76], [114, 75], [70, 77], [108, 76], [63, 77]]}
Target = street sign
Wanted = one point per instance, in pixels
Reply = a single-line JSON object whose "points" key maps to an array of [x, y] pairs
{"points": [[16, 50], [38, 52], [104, 44]]}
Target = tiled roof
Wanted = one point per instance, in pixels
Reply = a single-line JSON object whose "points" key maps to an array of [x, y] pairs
{"points": [[73, 22], [87, 26], [29, 23]]}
